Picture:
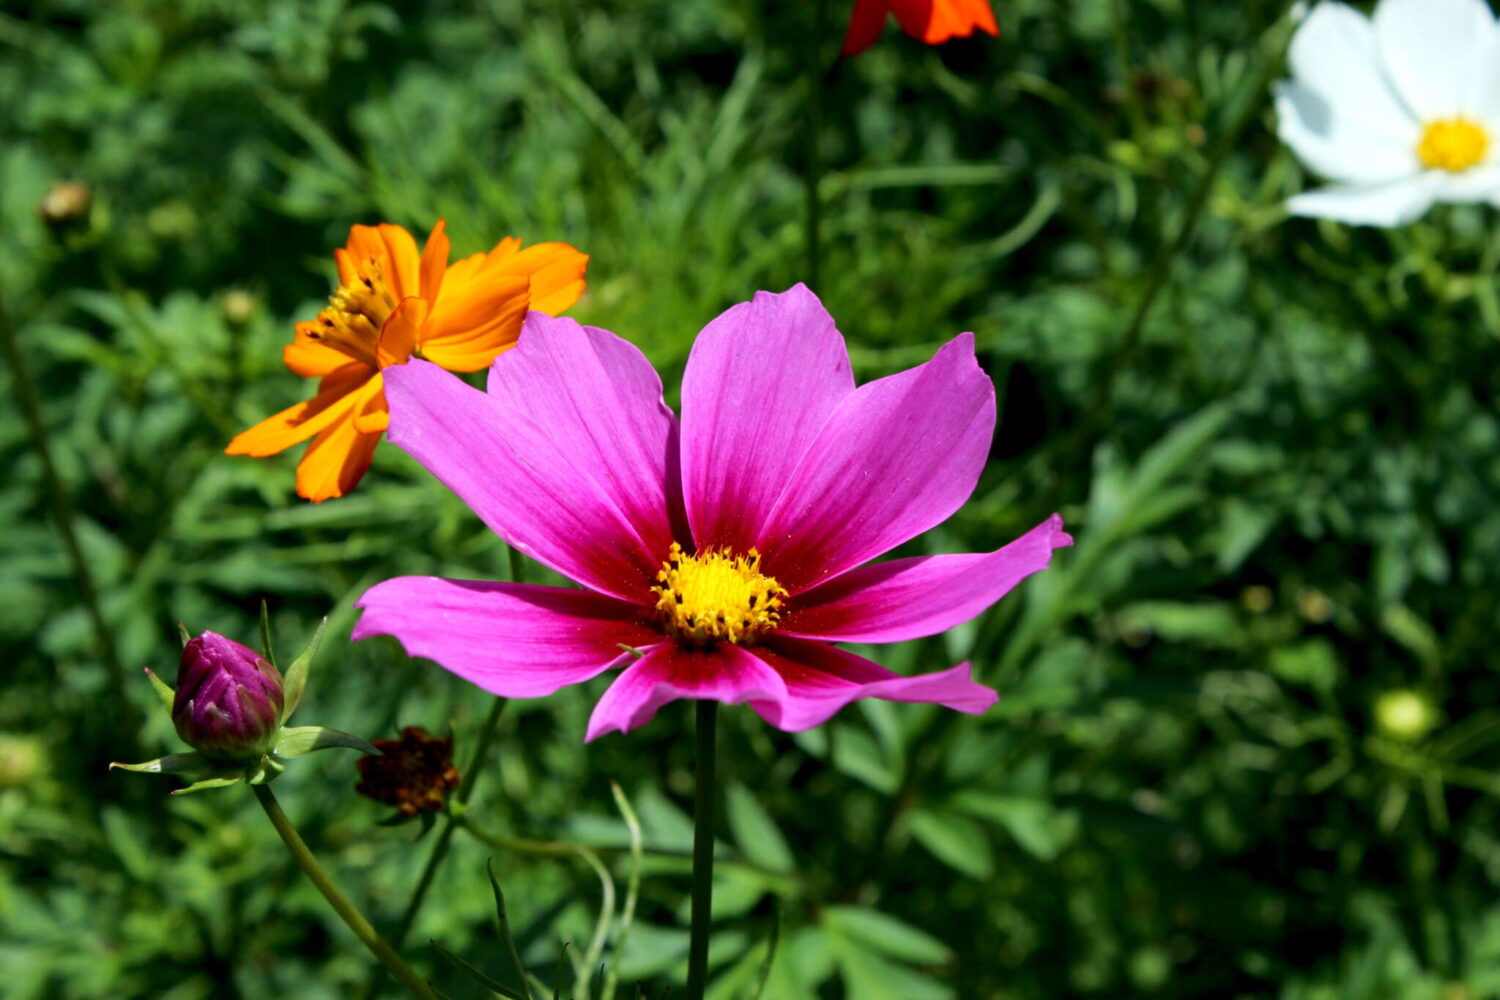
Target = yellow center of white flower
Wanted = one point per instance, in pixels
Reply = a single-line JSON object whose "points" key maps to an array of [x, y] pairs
{"points": [[355, 314], [715, 595], [1452, 144]]}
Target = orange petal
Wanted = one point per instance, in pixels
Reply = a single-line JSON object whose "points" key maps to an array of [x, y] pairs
{"points": [[936, 21], [335, 462], [348, 271], [556, 271], [336, 398], [434, 262], [373, 416], [395, 247], [399, 335], [505, 248], [473, 324], [309, 358]]}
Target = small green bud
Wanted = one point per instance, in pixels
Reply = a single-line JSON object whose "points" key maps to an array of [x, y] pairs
{"points": [[1405, 715]]}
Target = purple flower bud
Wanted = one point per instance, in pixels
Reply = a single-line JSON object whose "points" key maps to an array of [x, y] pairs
{"points": [[229, 699]]}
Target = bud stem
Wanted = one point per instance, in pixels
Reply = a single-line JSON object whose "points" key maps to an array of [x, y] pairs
{"points": [[346, 910], [467, 778]]}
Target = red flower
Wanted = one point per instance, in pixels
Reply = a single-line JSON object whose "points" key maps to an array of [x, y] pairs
{"points": [[931, 21]]}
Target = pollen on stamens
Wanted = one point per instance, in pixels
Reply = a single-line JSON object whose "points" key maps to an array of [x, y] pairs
{"points": [[717, 596], [1453, 144]]}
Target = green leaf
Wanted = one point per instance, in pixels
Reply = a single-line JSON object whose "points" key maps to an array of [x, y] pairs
{"points": [[955, 840], [869, 976], [756, 832], [294, 741], [476, 975], [163, 689], [887, 935], [856, 753], [296, 674], [1039, 827]]}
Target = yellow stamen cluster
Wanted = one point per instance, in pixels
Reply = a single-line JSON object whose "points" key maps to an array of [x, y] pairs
{"points": [[355, 314], [715, 596], [1453, 144]]}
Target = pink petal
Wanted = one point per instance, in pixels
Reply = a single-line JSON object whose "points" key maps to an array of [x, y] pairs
{"points": [[821, 679], [590, 400], [898, 456], [761, 380], [725, 673], [566, 458], [909, 598], [511, 639]]}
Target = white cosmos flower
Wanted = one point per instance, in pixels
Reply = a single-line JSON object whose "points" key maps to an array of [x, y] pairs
{"points": [[1400, 111]]}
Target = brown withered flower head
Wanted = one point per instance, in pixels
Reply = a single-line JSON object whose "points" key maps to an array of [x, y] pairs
{"points": [[414, 774]]}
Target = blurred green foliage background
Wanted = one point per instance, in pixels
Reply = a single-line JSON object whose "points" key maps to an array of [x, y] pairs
{"points": [[1247, 742]]}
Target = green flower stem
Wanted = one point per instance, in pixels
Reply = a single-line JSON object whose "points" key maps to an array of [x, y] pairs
{"points": [[812, 167], [703, 849], [340, 903], [1250, 108], [470, 778], [62, 510]]}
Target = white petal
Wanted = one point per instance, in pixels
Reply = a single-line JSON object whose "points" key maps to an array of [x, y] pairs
{"points": [[1334, 55], [1480, 184], [1338, 147], [1390, 204], [1487, 87], [1434, 51]]}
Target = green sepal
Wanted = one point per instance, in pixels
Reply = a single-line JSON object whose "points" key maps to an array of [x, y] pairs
{"points": [[296, 674], [172, 763], [294, 741], [206, 783], [183, 632], [264, 771], [163, 689], [265, 634]]}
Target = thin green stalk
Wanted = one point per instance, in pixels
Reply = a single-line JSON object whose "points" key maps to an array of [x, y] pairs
{"points": [[703, 849], [1161, 266], [62, 509], [346, 910], [812, 172], [470, 778], [632, 890]]}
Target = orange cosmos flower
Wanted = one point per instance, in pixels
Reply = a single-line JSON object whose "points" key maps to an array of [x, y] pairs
{"points": [[932, 21], [393, 304]]}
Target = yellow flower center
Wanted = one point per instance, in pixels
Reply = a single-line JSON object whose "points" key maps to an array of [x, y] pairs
{"points": [[1452, 144], [355, 314], [717, 595]]}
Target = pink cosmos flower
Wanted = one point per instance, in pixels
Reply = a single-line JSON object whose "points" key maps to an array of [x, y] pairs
{"points": [[722, 554]]}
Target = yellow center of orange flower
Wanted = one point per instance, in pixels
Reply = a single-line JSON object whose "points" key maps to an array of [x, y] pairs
{"points": [[355, 314], [1452, 144], [715, 595]]}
